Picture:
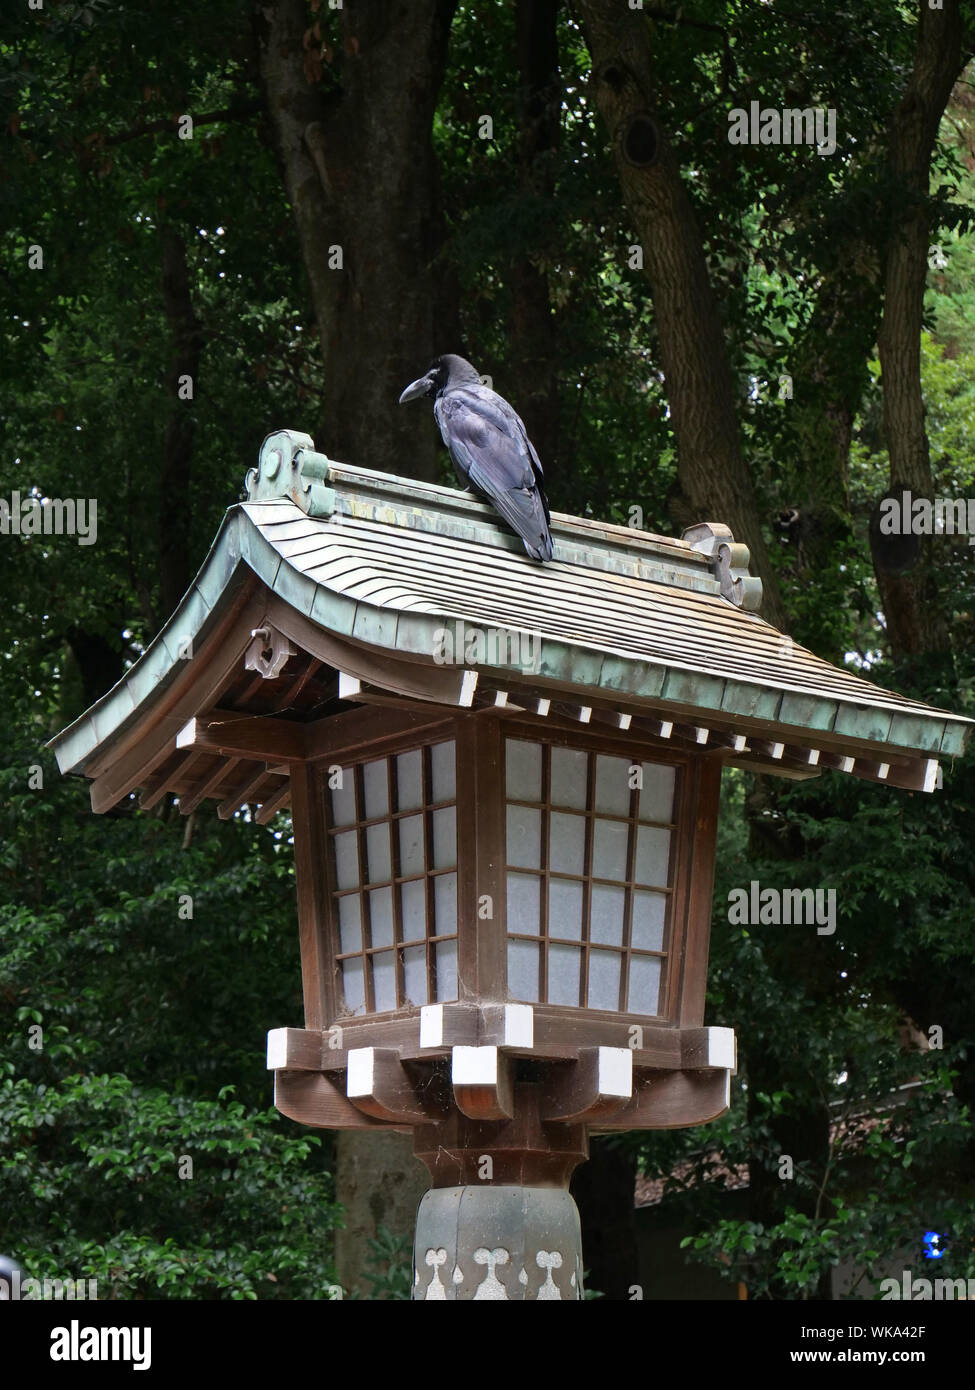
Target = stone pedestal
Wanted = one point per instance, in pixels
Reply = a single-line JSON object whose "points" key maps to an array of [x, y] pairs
{"points": [[497, 1242]]}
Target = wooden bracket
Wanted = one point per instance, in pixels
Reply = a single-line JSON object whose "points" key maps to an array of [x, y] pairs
{"points": [[247, 736], [312, 1099], [599, 1084], [379, 1085], [921, 775], [673, 1100], [294, 1049], [448, 687], [482, 1082], [709, 1047]]}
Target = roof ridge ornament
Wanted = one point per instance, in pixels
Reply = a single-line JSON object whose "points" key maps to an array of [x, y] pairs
{"points": [[288, 467], [729, 563]]}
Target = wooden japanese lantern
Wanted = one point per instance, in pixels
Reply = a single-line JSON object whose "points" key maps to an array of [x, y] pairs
{"points": [[503, 782]]}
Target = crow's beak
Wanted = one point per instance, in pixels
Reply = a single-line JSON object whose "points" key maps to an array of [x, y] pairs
{"points": [[421, 387]]}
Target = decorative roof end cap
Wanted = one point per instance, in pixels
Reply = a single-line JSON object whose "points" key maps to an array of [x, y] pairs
{"points": [[729, 563], [288, 466]]}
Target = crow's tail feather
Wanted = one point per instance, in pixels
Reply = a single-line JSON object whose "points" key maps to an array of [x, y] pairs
{"points": [[524, 512]]}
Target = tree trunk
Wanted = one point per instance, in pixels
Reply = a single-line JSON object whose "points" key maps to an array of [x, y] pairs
{"points": [[361, 176], [379, 1182], [698, 380], [176, 567], [534, 339], [99, 666], [831, 374], [917, 628]]}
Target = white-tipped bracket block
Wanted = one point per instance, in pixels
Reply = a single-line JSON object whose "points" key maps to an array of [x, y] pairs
{"points": [[188, 734], [839, 762], [294, 1049], [482, 1082], [349, 686], [474, 1066], [615, 1071], [361, 1076], [448, 1025], [519, 1025], [594, 1087], [277, 1049], [508, 1025], [722, 1048], [541, 707], [468, 686], [709, 1047], [431, 1025]]}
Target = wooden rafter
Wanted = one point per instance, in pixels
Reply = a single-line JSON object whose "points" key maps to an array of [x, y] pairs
{"points": [[244, 794], [208, 785], [274, 803]]}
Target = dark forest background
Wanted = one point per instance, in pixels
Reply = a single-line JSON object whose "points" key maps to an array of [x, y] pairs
{"points": [[759, 335]]}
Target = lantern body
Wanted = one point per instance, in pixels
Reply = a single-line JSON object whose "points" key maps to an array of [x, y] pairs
{"points": [[556, 871]]}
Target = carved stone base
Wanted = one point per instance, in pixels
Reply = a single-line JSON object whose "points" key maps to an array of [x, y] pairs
{"points": [[502, 1243]]}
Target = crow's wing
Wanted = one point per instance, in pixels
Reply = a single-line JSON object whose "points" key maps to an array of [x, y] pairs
{"points": [[490, 448]]}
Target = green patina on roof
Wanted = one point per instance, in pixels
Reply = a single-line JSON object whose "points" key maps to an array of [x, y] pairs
{"points": [[620, 614]]}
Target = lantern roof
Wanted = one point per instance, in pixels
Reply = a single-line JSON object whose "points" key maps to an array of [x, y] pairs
{"points": [[338, 585]]}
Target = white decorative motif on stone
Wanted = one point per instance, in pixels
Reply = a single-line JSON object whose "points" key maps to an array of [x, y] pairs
{"points": [[436, 1290], [549, 1260], [491, 1286]]}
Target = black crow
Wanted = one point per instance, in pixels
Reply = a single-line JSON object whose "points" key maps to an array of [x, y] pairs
{"points": [[489, 448]]}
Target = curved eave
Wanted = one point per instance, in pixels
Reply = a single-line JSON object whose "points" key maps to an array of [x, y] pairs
{"points": [[405, 627]]}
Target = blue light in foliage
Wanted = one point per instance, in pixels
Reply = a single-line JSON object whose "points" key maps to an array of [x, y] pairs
{"points": [[933, 1246]]}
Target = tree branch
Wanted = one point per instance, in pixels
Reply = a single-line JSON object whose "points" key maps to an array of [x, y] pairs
{"points": [[167, 124], [171, 123]]}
